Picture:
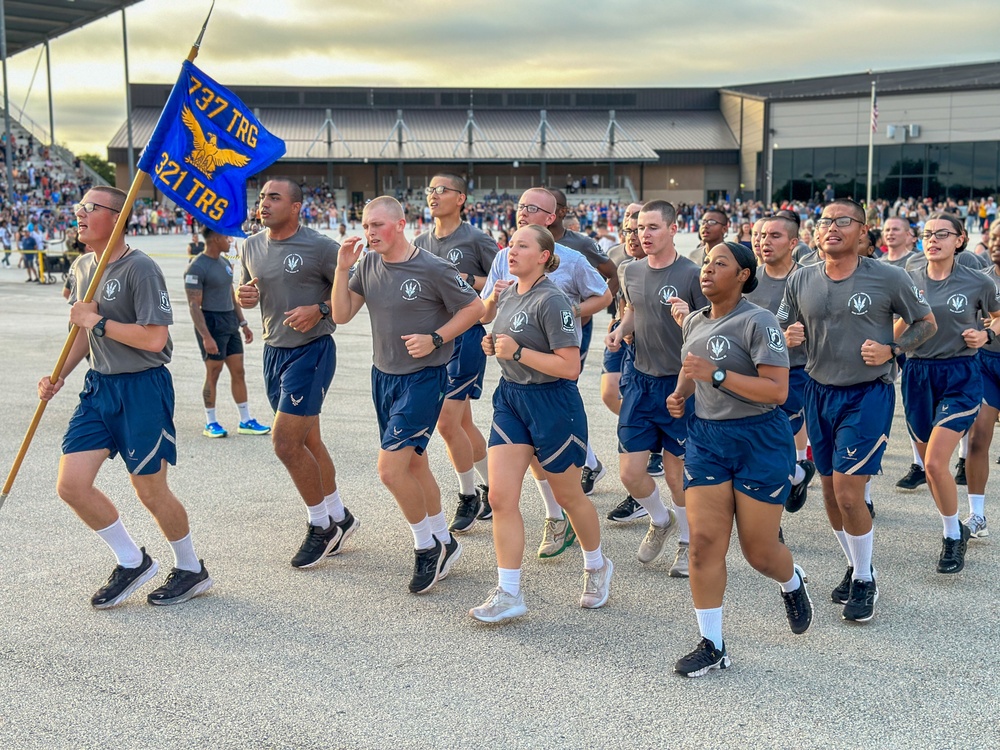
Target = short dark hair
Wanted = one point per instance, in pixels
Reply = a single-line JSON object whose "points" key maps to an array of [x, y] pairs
{"points": [[955, 222], [664, 208], [207, 232], [459, 183], [294, 189], [853, 204], [719, 211]]}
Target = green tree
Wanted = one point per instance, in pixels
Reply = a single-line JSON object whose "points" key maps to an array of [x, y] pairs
{"points": [[102, 166]]}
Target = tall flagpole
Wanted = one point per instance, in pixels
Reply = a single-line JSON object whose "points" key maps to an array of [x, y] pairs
{"points": [[116, 234], [871, 146]]}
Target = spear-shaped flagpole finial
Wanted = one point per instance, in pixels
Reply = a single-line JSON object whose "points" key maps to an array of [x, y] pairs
{"points": [[197, 45]]}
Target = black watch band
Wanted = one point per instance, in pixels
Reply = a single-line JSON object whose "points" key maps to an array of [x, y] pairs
{"points": [[437, 340], [990, 335], [517, 354], [98, 329], [324, 310], [470, 279], [895, 349]]}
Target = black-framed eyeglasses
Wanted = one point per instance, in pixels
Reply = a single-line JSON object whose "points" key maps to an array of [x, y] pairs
{"points": [[627, 232], [89, 207], [440, 190], [840, 221], [709, 222], [530, 208], [941, 234]]}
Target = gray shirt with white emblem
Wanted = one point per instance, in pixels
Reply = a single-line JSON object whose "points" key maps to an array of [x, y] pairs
{"points": [[291, 273], [959, 302], [132, 290], [468, 248], [839, 316], [768, 294], [418, 295], [541, 320], [916, 261], [658, 338], [214, 278], [585, 246], [745, 338]]}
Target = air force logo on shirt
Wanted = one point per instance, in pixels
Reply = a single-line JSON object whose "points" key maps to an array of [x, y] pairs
{"points": [[718, 348], [462, 283], [293, 263], [666, 293], [111, 289], [860, 304], [919, 294], [410, 289], [164, 300], [568, 321], [775, 340], [518, 322], [957, 303], [455, 255]]}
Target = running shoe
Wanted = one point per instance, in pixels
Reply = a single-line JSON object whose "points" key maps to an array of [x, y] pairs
{"points": [[627, 510], [960, 473], [180, 586], [557, 537], [977, 526], [842, 593], [500, 605], [123, 582], [653, 545], [952, 558], [253, 427], [597, 586], [798, 605], [348, 526], [913, 478], [590, 477], [654, 467], [484, 495], [426, 568], [703, 660], [214, 430], [797, 497], [680, 567], [860, 605], [466, 513], [317, 544], [452, 552]]}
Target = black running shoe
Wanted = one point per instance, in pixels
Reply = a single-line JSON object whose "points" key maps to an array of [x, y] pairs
{"points": [[123, 581], [590, 477], [426, 568], [781, 535], [797, 497], [317, 544], [348, 526], [654, 466], [913, 478], [860, 605], [466, 513], [871, 508], [798, 605], [484, 495], [960, 472], [703, 660], [842, 593], [452, 551], [627, 510], [180, 586], [952, 558]]}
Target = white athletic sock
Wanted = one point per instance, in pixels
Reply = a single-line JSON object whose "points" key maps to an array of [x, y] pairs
{"points": [[422, 536], [335, 507], [842, 538], [184, 556], [439, 527], [655, 507], [466, 481], [868, 492], [318, 515], [510, 580], [552, 508], [481, 469], [593, 560], [210, 416], [710, 624], [792, 584], [977, 505], [800, 474], [682, 516], [916, 454], [591, 462], [963, 446], [951, 527], [861, 553], [244, 411], [801, 455], [121, 543]]}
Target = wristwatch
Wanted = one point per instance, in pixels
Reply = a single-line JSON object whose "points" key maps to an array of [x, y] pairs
{"points": [[437, 340], [718, 378], [324, 310], [990, 335], [470, 279], [517, 354], [244, 323], [894, 349], [98, 329]]}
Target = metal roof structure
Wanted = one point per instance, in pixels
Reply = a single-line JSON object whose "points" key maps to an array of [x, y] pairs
{"points": [[919, 80], [33, 22]]}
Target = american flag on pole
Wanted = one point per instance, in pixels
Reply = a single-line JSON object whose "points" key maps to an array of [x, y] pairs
{"points": [[874, 112]]}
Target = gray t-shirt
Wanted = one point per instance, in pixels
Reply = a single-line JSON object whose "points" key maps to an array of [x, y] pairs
{"points": [[585, 246], [917, 261], [418, 295], [470, 249], [899, 262], [959, 302], [133, 290], [291, 273], [658, 338], [213, 277], [745, 338], [991, 274], [839, 316], [541, 319], [768, 294]]}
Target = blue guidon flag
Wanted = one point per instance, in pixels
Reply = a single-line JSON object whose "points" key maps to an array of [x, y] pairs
{"points": [[206, 145]]}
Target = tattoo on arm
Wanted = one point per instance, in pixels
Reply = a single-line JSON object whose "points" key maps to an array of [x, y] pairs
{"points": [[916, 334]]}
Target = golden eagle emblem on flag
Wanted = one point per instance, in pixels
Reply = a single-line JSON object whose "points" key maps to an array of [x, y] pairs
{"points": [[206, 156]]}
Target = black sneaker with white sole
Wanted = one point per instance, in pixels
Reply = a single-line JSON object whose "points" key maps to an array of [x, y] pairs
{"points": [[348, 526], [484, 495], [860, 605], [797, 497], [841, 594], [590, 477], [952, 558], [627, 510], [960, 473], [426, 568], [452, 552], [466, 513], [317, 544], [180, 586], [915, 477], [123, 582], [703, 660], [798, 605]]}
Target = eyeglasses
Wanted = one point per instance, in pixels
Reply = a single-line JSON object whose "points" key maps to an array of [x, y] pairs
{"points": [[709, 223], [531, 209], [90, 206], [627, 232], [941, 234], [840, 221], [440, 190]]}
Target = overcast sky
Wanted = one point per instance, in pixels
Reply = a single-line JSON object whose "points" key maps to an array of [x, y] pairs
{"points": [[498, 43]]}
